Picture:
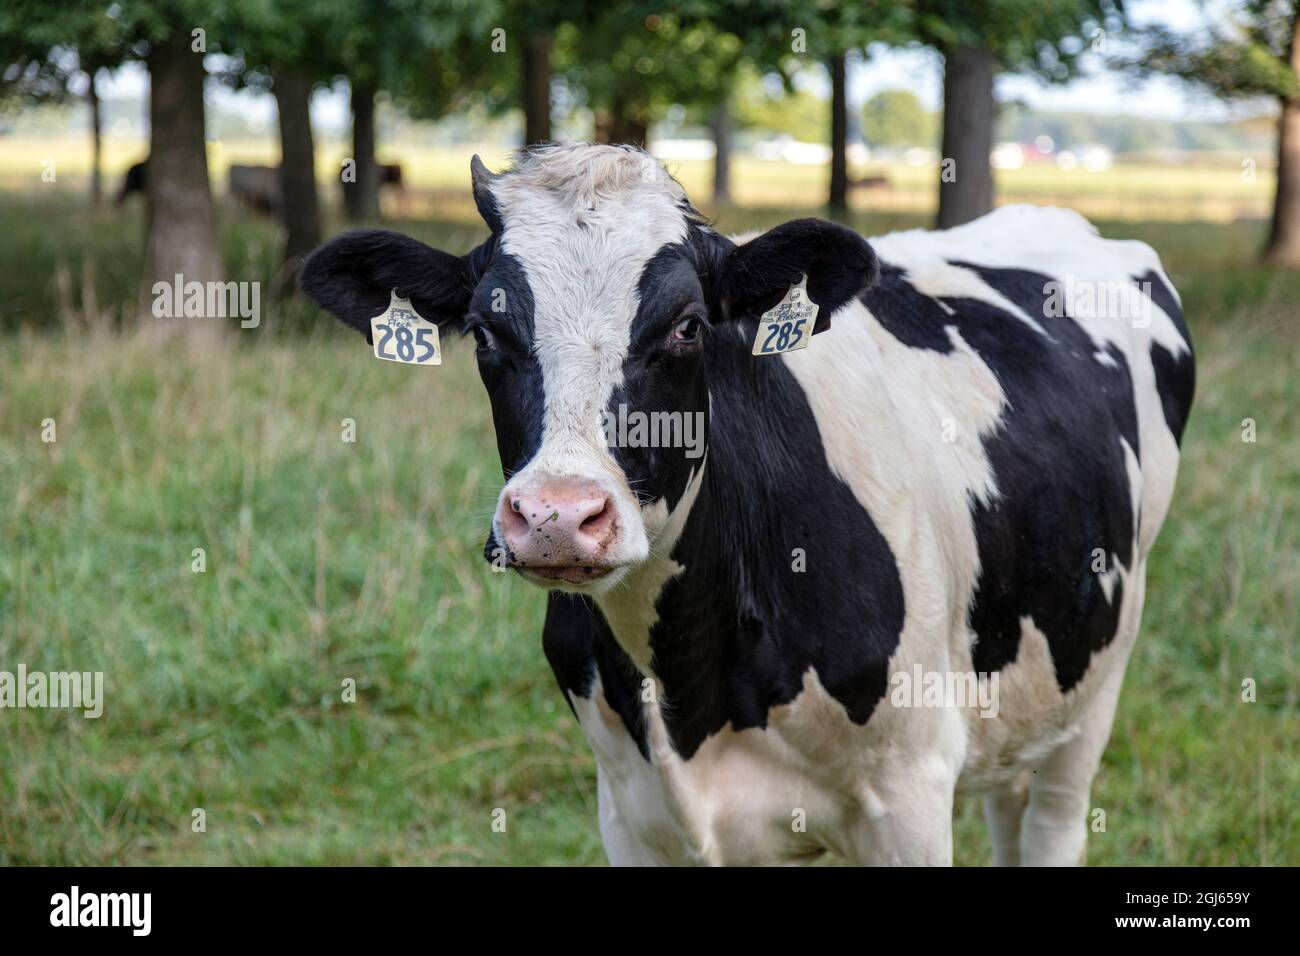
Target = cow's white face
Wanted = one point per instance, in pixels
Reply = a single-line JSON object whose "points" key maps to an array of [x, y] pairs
{"points": [[594, 306], [581, 241]]}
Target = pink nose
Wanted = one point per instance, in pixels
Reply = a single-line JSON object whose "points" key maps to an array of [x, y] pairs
{"points": [[557, 526]]}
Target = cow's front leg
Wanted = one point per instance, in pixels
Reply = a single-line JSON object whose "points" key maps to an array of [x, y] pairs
{"points": [[906, 820], [622, 845]]}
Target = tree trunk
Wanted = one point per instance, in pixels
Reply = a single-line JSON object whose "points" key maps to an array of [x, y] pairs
{"points": [[965, 175], [299, 205], [361, 198], [96, 144], [626, 122], [721, 124], [1284, 233], [182, 226], [629, 129], [839, 193], [536, 53]]}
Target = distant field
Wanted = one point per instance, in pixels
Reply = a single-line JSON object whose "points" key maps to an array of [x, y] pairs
{"points": [[437, 179], [328, 561]]}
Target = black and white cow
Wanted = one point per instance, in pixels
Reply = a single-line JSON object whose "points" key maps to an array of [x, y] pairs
{"points": [[962, 475]]}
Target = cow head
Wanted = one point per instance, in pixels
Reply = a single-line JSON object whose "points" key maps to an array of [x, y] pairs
{"points": [[594, 306]]}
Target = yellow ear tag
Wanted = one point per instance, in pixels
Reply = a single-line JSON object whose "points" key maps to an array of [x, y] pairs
{"points": [[402, 335], [787, 326]]}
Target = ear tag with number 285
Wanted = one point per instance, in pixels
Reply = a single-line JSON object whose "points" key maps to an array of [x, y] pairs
{"points": [[788, 325], [402, 335]]}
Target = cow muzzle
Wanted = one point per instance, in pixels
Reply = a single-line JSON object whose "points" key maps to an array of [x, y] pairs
{"points": [[562, 530]]}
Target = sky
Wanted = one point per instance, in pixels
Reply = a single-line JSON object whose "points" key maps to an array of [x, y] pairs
{"points": [[916, 70], [1100, 92]]}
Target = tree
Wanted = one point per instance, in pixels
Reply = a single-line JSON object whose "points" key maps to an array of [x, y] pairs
{"points": [[969, 115], [720, 125], [764, 103], [734, 38], [181, 237], [784, 36], [895, 118], [533, 25], [494, 56], [385, 46], [45, 52], [1257, 53], [282, 48], [182, 231], [979, 40], [535, 73], [839, 187], [170, 37]]}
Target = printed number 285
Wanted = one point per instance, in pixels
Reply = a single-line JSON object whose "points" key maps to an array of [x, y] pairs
{"points": [[405, 342], [781, 331]]}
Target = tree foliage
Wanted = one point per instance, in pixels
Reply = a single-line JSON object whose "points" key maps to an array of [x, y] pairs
{"points": [[1248, 55], [1042, 37], [896, 118]]}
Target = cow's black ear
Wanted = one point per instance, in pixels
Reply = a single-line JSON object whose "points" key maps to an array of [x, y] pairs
{"points": [[757, 274], [354, 275]]}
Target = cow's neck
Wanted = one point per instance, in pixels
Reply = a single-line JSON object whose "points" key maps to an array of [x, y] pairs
{"points": [[675, 617], [728, 622]]}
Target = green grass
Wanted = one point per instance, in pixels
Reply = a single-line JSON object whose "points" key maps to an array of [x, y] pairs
{"points": [[328, 561]]}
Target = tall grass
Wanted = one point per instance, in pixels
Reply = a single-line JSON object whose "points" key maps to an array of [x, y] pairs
{"points": [[329, 561]]}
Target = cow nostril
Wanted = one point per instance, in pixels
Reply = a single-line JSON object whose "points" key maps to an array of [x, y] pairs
{"points": [[513, 521], [596, 524]]}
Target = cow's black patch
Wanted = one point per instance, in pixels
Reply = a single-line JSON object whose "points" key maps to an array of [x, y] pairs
{"points": [[1175, 374], [738, 631], [502, 303], [662, 381], [1064, 501], [912, 317], [579, 646]]}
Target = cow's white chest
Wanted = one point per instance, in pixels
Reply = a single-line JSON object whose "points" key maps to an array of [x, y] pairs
{"points": [[748, 797]]}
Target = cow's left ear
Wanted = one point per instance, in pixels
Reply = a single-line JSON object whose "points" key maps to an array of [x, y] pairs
{"points": [[353, 276], [756, 275]]}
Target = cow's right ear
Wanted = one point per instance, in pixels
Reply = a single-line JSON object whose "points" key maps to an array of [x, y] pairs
{"points": [[353, 276], [755, 275]]}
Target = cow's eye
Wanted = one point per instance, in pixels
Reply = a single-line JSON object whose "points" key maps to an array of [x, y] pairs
{"points": [[483, 339], [687, 329]]}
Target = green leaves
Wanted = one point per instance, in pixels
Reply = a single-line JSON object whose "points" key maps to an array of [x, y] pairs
{"points": [[1247, 57], [1044, 37]]}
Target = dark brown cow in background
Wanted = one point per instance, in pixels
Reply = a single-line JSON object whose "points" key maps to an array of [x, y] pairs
{"points": [[255, 187]]}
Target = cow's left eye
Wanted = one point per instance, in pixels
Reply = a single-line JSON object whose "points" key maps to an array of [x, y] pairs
{"points": [[483, 339], [687, 329]]}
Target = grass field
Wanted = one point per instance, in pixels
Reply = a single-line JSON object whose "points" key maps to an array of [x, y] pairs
{"points": [[328, 561]]}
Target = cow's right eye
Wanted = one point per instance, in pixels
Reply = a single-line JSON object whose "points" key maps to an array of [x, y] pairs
{"points": [[687, 330], [483, 339]]}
